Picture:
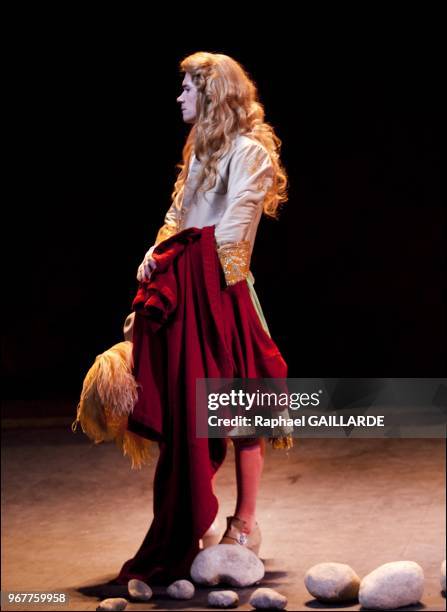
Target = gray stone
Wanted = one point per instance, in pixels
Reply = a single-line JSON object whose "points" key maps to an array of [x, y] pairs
{"points": [[332, 582], [389, 586], [227, 564], [443, 577], [181, 589], [223, 599], [113, 603], [139, 590], [268, 599]]}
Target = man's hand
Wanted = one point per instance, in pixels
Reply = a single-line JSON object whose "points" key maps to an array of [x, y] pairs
{"points": [[147, 266]]}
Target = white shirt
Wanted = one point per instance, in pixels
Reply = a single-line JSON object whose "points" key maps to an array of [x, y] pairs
{"points": [[234, 205]]}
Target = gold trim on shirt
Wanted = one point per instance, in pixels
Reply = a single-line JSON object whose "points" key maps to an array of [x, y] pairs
{"points": [[235, 260], [165, 231]]}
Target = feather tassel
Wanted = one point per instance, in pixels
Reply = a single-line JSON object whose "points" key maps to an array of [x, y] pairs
{"points": [[109, 394]]}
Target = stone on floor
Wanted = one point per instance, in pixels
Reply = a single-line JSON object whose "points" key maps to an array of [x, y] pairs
{"points": [[268, 599], [227, 564], [139, 590], [332, 582], [223, 599], [392, 585], [181, 589], [113, 603]]}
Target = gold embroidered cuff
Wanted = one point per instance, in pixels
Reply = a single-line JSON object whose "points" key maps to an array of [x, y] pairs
{"points": [[165, 231], [234, 258], [284, 442]]}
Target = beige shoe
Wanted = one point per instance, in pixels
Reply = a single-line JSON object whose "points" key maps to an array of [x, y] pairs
{"points": [[212, 536], [236, 533]]}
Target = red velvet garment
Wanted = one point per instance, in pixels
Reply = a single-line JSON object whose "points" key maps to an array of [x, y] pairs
{"points": [[188, 325]]}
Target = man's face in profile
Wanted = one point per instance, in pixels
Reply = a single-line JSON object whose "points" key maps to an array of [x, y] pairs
{"points": [[188, 99]]}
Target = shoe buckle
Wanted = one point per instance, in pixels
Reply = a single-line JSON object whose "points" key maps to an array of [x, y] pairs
{"points": [[243, 539]]}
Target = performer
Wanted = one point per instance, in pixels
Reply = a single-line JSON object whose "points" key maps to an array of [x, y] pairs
{"points": [[197, 315]]}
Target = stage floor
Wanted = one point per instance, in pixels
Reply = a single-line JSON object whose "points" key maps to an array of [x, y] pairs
{"points": [[74, 512]]}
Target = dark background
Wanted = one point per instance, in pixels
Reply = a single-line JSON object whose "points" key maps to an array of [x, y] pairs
{"points": [[352, 278]]}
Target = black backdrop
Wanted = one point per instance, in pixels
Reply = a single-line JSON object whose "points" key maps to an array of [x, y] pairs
{"points": [[351, 279]]}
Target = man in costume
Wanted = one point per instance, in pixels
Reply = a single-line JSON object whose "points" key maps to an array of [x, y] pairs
{"points": [[197, 315]]}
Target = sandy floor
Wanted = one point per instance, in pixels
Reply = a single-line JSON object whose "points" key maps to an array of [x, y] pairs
{"points": [[73, 513]]}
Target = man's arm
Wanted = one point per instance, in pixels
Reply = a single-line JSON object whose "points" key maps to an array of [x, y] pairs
{"points": [[251, 175]]}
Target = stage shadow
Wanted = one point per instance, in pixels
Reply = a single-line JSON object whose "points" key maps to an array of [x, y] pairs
{"points": [[314, 604]]}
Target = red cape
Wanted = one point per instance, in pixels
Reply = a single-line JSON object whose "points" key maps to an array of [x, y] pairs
{"points": [[188, 325]]}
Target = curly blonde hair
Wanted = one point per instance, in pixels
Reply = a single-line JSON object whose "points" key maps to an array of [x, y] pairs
{"points": [[227, 105]]}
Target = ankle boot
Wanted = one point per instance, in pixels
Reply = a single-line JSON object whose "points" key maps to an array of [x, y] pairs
{"points": [[236, 533], [212, 536]]}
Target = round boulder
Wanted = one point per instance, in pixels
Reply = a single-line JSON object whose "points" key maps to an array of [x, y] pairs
{"points": [[268, 599], [181, 589], [223, 599], [227, 564], [139, 590], [332, 582], [392, 585], [113, 603]]}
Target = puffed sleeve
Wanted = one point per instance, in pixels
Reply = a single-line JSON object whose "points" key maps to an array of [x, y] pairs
{"points": [[250, 177]]}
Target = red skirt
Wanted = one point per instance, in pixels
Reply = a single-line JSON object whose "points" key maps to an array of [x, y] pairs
{"points": [[188, 325]]}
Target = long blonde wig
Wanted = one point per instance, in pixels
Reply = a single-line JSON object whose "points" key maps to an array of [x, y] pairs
{"points": [[227, 105]]}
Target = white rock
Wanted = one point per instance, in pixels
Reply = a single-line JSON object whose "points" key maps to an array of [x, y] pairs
{"points": [[389, 586], [227, 564], [268, 599], [139, 590], [443, 577], [223, 599], [113, 603], [181, 589], [332, 582]]}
